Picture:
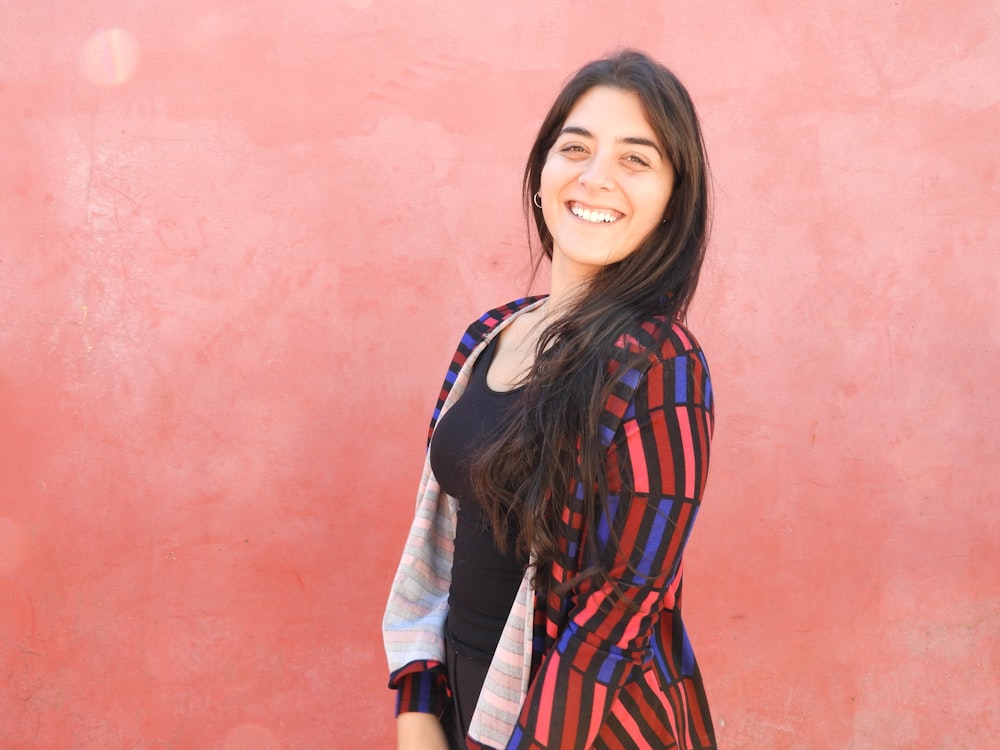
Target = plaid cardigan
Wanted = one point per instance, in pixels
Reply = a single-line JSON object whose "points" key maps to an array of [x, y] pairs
{"points": [[583, 669]]}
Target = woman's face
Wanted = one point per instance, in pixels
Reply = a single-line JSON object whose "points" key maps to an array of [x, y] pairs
{"points": [[605, 183]]}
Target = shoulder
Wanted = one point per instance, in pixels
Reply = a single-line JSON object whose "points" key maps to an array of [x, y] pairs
{"points": [[491, 318], [662, 356], [660, 339], [481, 327], [474, 334]]}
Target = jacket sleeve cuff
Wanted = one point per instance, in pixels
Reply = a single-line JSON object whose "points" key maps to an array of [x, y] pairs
{"points": [[421, 687]]}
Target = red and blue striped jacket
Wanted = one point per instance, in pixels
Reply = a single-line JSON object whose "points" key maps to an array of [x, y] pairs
{"points": [[594, 667]]}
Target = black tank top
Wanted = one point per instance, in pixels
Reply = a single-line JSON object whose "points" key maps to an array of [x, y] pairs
{"points": [[484, 581]]}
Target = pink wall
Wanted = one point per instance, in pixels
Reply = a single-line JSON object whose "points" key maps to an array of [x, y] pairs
{"points": [[238, 241]]}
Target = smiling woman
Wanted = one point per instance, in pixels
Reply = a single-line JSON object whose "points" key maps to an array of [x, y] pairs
{"points": [[605, 184], [537, 602]]}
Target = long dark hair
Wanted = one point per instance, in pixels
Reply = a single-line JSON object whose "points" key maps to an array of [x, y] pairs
{"points": [[555, 427]]}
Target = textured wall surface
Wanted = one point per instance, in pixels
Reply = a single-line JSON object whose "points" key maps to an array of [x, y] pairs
{"points": [[238, 241]]}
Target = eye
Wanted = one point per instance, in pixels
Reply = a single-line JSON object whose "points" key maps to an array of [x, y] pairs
{"points": [[572, 148], [637, 160]]}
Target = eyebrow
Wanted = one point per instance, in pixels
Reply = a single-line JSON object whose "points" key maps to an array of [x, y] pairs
{"points": [[631, 140]]}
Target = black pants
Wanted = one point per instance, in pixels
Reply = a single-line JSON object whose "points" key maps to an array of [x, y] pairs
{"points": [[466, 674]]}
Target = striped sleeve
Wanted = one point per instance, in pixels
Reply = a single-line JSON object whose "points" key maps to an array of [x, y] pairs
{"points": [[421, 687], [661, 448]]}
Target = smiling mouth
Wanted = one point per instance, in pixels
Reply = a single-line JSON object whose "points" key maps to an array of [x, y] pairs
{"points": [[594, 215]]}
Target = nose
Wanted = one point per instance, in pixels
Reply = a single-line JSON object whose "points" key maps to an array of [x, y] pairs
{"points": [[597, 174]]}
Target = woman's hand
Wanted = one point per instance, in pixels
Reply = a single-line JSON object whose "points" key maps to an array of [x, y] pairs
{"points": [[416, 731]]}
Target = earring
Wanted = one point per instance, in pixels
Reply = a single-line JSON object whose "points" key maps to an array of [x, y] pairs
{"points": [[538, 199]]}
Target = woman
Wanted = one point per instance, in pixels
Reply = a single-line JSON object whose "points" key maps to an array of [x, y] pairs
{"points": [[537, 603]]}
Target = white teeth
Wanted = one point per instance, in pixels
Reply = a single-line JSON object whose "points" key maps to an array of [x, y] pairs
{"points": [[597, 217]]}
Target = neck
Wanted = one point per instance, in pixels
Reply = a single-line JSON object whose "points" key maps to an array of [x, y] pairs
{"points": [[564, 287]]}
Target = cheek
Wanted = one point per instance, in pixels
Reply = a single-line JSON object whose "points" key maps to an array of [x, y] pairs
{"points": [[557, 173], [655, 207], [668, 192], [550, 187], [547, 181]]}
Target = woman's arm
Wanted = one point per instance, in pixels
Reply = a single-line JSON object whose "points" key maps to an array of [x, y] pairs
{"points": [[663, 446], [416, 731]]}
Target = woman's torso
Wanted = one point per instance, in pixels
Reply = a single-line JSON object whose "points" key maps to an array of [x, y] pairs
{"points": [[485, 578]]}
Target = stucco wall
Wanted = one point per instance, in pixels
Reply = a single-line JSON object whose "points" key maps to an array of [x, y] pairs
{"points": [[238, 242]]}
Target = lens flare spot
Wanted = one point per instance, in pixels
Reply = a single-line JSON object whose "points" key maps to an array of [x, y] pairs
{"points": [[251, 737], [109, 57]]}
